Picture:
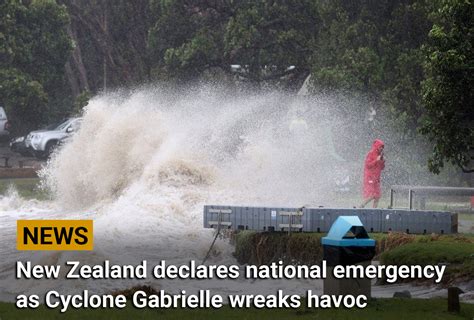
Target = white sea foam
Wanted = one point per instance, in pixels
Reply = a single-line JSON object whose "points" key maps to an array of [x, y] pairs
{"points": [[144, 164]]}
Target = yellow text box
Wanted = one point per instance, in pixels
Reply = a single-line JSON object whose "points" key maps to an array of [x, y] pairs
{"points": [[55, 235]]}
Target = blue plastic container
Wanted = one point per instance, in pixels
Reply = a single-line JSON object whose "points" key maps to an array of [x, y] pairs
{"points": [[347, 242]]}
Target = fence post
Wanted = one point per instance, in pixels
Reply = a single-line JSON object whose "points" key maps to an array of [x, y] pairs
{"points": [[410, 199]]}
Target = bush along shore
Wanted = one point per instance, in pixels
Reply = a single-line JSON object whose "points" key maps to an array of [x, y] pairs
{"points": [[456, 251]]}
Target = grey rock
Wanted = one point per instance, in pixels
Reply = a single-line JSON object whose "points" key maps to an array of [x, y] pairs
{"points": [[469, 286]]}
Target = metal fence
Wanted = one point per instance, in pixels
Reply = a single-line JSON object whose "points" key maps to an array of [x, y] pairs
{"points": [[321, 219], [424, 192]]}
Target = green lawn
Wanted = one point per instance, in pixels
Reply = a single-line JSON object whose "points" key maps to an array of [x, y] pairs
{"points": [[458, 255], [425, 253], [378, 309], [394, 248], [27, 188], [466, 216]]}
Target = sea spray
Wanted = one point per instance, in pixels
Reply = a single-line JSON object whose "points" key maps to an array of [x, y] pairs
{"points": [[148, 161], [143, 165], [245, 145]]}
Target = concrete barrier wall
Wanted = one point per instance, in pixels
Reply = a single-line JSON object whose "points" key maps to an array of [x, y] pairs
{"points": [[321, 219]]}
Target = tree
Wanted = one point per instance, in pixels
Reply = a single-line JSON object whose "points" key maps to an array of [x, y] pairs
{"points": [[186, 38], [33, 51], [264, 38], [267, 37], [448, 93], [111, 44]]}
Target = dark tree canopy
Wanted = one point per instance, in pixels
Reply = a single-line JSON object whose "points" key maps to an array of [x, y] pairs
{"points": [[263, 38], [448, 91], [33, 51], [409, 60]]}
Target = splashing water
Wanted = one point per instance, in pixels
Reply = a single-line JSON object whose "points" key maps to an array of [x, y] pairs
{"points": [[144, 164], [147, 163], [246, 148]]}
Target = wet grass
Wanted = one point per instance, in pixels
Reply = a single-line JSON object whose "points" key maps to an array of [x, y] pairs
{"points": [[458, 255], [28, 188], [394, 248], [266, 247], [466, 216], [379, 309]]}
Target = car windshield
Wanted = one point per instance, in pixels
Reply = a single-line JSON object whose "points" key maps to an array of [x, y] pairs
{"points": [[63, 125], [54, 125]]}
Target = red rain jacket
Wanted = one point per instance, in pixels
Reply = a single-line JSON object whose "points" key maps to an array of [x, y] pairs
{"points": [[372, 170]]}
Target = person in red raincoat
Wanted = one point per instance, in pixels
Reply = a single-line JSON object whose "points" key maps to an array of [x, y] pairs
{"points": [[373, 166]]}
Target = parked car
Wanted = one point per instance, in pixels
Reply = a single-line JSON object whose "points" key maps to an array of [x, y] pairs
{"points": [[50, 127], [43, 142], [18, 145], [4, 124]]}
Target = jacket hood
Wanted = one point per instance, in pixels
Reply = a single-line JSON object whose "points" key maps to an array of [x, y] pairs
{"points": [[377, 144]]}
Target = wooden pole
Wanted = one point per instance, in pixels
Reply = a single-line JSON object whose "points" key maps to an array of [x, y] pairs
{"points": [[453, 299]]}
